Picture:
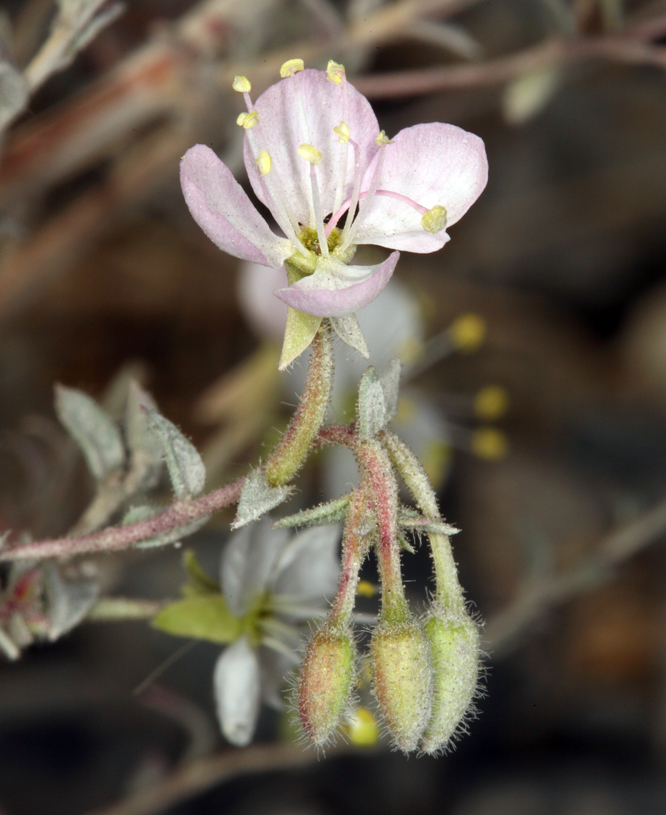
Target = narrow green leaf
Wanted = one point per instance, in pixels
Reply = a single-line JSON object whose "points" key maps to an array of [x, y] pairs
{"points": [[185, 465], [330, 513], [371, 405], [202, 618]]}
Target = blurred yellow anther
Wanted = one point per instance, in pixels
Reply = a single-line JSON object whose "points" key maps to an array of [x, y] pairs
{"points": [[342, 132], [264, 162], [434, 220], [291, 67], [468, 332], [362, 728], [436, 459], [489, 443], [309, 153], [335, 72], [366, 589], [241, 84], [247, 120], [491, 403], [406, 409], [382, 138]]}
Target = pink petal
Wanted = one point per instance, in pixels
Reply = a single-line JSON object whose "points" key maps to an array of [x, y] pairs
{"points": [[304, 109], [431, 164], [338, 302], [222, 209]]}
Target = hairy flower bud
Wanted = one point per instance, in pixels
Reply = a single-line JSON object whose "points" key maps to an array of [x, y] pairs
{"points": [[454, 644], [403, 680], [326, 680]]}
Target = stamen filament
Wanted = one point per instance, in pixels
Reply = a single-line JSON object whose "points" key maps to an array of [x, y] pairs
{"points": [[319, 219], [356, 192]]}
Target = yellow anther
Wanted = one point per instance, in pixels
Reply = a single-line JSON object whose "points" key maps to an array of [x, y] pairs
{"points": [[291, 67], [436, 460], [434, 220], [241, 84], [335, 72], [489, 443], [362, 728], [468, 332], [491, 403], [309, 153], [264, 162], [342, 132], [366, 589], [247, 120], [382, 138], [410, 350]]}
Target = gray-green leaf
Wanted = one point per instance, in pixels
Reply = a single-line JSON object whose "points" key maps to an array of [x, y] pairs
{"points": [[185, 465], [257, 498], [91, 428]]}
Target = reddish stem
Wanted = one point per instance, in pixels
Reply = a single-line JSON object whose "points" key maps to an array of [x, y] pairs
{"points": [[122, 537]]}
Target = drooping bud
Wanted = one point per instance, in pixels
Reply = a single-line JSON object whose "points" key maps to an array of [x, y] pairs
{"points": [[326, 681], [403, 680], [454, 645]]}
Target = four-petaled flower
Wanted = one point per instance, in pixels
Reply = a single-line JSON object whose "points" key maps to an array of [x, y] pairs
{"points": [[315, 157], [271, 581]]}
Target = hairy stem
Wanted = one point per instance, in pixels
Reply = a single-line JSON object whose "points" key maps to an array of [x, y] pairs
{"points": [[448, 591], [288, 456], [122, 537]]}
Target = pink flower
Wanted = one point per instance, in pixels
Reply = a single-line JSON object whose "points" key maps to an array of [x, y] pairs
{"points": [[316, 158]]}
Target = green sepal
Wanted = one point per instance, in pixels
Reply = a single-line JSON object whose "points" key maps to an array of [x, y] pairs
{"points": [[203, 618], [298, 334], [331, 512], [404, 544], [200, 583]]}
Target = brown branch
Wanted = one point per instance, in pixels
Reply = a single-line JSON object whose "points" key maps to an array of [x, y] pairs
{"points": [[503, 631], [204, 774], [122, 537]]}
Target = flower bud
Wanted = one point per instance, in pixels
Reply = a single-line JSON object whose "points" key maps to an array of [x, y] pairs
{"points": [[325, 686], [454, 644], [403, 680]]}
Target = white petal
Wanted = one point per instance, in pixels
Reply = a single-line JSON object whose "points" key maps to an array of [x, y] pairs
{"points": [[309, 566], [236, 684], [248, 561]]}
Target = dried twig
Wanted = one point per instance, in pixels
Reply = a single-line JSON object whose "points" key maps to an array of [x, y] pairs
{"points": [[536, 598]]}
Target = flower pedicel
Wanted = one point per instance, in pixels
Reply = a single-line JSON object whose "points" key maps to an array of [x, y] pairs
{"points": [[315, 156]]}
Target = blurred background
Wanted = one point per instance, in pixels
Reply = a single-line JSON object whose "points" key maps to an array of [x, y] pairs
{"points": [[534, 347]]}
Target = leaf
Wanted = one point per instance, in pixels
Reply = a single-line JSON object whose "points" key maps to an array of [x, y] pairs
{"points": [[145, 448], [185, 465], [331, 512], [203, 618], [371, 405], [200, 582], [390, 382], [92, 429], [257, 498], [527, 95], [68, 601]]}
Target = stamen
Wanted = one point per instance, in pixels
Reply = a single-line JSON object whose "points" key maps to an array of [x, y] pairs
{"points": [[291, 67], [313, 156], [382, 138], [335, 72], [241, 84], [264, 162], [355, 194], [342, 132], [248, 120], [343, 154], [309, 153]]}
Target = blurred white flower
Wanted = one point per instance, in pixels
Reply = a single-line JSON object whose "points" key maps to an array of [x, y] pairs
{"points": [[272, 581]]}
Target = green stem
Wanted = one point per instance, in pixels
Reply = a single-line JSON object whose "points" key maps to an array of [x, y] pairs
{"points": [[287, 458], [354, 550], [448, 592], [375, 462]]}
